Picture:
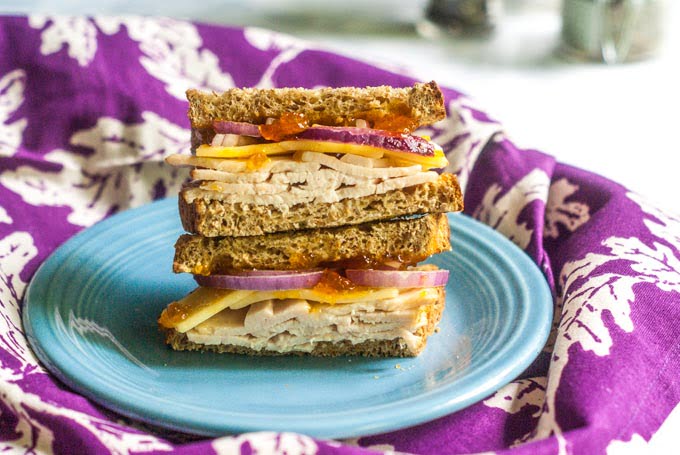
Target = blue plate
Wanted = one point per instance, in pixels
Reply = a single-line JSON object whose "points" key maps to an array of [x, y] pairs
{"points": [[90, 315]]}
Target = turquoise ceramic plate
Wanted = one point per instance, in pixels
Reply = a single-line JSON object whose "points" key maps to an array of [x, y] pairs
{"points": [[90, 314]]}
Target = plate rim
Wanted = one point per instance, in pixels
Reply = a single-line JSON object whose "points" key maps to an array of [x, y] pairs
{"points": [[420, 410]]}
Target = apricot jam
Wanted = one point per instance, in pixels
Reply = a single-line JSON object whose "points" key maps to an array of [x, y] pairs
{"points": [[172, 315], [395, 123], [199, 299], [398, 121], [387, 262], [257, 161], [300, 260], [332, 282], [289, 124]]}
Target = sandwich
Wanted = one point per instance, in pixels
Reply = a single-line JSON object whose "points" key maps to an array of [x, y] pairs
{"points": [[308, 214]]}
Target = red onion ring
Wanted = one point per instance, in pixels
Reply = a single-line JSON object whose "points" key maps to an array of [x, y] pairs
{"points": [[398, 278], [262, 280], [374, 138], [240, 128]]}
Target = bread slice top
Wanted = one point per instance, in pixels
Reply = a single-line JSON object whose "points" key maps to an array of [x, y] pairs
{"points": [[405, 240], [422, 104]]}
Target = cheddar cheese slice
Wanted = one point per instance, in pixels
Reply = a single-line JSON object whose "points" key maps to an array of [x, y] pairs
{"points": [[438, 160], [203, 303]]}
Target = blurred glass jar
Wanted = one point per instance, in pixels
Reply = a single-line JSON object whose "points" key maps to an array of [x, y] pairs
{"points": [[460, 17], [612, 31]]}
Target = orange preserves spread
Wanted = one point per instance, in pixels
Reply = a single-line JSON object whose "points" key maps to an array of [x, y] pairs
{"points": [[292, 123], [395, 123], [332, 282], [387, 262], [257, 161], [200, 298], [289, 124], [173, 314]]}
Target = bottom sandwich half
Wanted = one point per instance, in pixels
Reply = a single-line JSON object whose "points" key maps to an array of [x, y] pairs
{"points": [[375, 322]]}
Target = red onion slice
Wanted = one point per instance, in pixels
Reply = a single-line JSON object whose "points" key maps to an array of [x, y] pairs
{"points": [[374, 138], [262, 280], [398, 278], [240, 128]]}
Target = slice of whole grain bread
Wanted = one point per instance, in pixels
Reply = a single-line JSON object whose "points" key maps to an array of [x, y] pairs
{"points": [[422, 104], [405, 240]]}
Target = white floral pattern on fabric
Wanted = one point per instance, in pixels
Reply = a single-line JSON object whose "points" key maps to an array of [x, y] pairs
{"points": [[385, 449], [516, 395], [661, 441], [75, 33], [173, 53], [462, 137], [266, 443], [558, 211], [12, 86], [265, 40], [16, 251], [502, 212], [588, 293], [173, 50], [125, 169], [4, 217], [666, 228], [570, 215]]}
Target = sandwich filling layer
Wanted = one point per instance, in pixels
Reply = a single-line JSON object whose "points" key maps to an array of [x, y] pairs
{"points": [[298, 324], [307, 177], [256, 321]]}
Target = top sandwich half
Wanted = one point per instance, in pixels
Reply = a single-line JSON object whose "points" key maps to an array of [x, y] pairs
{"points": [[275, 160]]}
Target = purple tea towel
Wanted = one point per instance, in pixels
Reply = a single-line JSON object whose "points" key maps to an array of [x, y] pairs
{"points": [[89, 107]]}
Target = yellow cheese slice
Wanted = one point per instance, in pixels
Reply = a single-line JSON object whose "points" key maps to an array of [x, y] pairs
{"points": [[338, 297], [199, 305], [427, 162], [279, 148], [203, 303]]}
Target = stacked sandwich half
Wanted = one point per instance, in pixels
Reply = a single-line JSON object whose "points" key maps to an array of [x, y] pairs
{"points": [[308, 212]]}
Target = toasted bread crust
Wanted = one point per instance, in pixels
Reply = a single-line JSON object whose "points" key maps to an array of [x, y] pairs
{"points": [[373, 348], [422, 104], [408, 240], [215, 218]]}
